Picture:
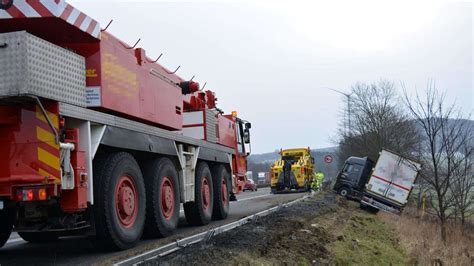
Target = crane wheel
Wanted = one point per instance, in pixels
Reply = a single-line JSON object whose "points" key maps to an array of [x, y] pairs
{"points": [[222, 188], [199, 212], [162, 197], [6, 225], [119, 193], [38, 237]]}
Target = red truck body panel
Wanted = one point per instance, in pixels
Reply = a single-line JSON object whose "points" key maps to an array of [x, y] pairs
{"points": [[28, 152], [123, 80], [120, 79], [227, 132]]}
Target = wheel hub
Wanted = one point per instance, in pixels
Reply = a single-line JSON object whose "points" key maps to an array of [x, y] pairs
{"points": [[206, 193], [126, 201], [167, 198]]}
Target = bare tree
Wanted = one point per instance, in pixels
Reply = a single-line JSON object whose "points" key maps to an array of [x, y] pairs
{"points": [[444, 133], [462, 187], [377, 122]]}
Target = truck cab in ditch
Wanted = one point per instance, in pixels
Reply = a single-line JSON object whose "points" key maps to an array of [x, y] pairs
{"points": [[351, 180]]}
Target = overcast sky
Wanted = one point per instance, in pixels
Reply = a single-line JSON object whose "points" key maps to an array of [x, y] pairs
{"points": [[273, 61]]}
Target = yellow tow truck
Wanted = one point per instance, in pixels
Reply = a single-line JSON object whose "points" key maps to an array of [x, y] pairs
{"points": [[294, 170]]}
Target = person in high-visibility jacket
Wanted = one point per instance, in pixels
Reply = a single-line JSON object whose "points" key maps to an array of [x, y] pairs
{"points": [[318, 181]]}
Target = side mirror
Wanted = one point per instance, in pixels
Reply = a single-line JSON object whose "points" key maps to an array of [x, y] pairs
{"points": [[246, 137], [248, 125]]}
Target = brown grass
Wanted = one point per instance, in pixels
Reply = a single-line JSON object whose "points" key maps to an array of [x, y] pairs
{"points": [[421, 238]]}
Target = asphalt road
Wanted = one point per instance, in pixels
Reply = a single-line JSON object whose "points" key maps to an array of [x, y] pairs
{"points": [[80, 250]]}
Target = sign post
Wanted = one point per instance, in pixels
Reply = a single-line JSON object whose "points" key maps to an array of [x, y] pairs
{"points": [[328, 160]]}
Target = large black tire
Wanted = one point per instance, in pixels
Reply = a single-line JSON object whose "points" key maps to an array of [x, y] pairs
{"points": [[199, 212], [6, 225], [344, 192], [119, 193], [222, 187], [38, 237], [162, 198]]}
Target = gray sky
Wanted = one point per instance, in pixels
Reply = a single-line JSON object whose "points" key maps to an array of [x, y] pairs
{"points": [[272, 61]]}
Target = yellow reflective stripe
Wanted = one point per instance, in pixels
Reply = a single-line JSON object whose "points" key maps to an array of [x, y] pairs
{"points": [[52, 116], [44, 173], [48, 158], [46, 137]]}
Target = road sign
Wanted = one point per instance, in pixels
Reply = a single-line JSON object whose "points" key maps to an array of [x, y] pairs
{"points": [[328, 159]]}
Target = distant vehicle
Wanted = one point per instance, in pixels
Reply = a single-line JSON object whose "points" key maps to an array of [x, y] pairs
{"points": [[294, 170], [250, 185], [386, 187], [351, 180], [262, 178]]}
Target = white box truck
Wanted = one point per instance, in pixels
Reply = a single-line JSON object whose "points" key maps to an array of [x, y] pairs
{"points": [[390, 183]]}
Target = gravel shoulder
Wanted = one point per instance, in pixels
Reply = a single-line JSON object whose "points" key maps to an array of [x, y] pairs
{"points": [[324, 229]]}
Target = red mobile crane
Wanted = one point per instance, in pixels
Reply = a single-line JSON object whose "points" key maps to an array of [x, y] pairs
{"points": [[98, 139]]}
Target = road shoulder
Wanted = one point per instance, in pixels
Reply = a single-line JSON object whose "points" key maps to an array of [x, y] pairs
{"points": [[323, 229]]}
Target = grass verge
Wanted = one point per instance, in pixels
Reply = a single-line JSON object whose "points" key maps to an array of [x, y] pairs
{"points": [[421, 238], [366, 240]]}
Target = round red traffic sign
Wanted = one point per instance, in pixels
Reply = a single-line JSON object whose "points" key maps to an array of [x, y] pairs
{"points": [[328, 159]]}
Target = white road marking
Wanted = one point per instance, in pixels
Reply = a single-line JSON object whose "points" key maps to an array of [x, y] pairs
{"points": [[260, 196]]}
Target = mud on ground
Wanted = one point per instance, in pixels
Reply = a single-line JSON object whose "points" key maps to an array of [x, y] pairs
{"points": [[309, 232]]}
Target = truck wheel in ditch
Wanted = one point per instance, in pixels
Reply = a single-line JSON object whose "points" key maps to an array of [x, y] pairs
{"points": [[119, 209], [38, 237], [222, 187], [6, 225], [373, 210], [344, 192], [199, 212], [162, 198]]}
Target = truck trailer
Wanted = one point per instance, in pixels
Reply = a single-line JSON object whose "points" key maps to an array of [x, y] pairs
{"points": [[98, 139], [293, 171], [390, 183], [385, 186]]}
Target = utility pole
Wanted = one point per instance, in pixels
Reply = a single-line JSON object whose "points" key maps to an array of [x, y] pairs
{"points": [[349, 114]]}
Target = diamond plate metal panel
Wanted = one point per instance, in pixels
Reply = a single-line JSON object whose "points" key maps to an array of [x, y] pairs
{"points": [[32, 66]]}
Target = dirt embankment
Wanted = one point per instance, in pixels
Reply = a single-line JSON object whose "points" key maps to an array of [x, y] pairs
{"points": [[320, 230]]}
